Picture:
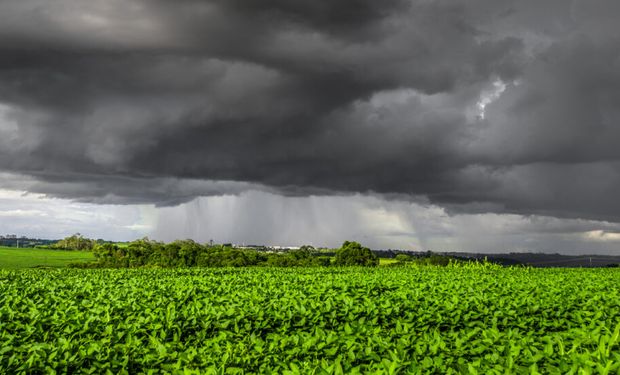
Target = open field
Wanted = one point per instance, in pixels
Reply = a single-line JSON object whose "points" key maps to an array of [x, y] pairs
{"points": [[468, 319], [387, 261], [13, 258]]}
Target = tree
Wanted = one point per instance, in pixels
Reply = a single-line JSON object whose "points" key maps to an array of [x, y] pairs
{"points": [[354, 254], [303, 254], [432, 259], [321, 261], [75, 242], [181, 254], [224, 256], [141, 252]]}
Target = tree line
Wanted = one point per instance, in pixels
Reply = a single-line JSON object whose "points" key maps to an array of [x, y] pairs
{"points": [[75, 242], [188, 253]]}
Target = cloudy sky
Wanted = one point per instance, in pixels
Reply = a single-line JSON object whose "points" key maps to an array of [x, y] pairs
{"points": [[474, 125]]}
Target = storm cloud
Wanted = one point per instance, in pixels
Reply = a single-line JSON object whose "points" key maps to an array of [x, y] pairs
{"points": [[474, 106]]}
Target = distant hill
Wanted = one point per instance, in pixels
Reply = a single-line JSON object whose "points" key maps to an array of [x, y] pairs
{"points": [[547, 260], [529, 259]]}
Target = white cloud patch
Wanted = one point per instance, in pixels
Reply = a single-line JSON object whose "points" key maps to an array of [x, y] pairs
{"points": [[489, 96], [35, 215], [602, 236]]}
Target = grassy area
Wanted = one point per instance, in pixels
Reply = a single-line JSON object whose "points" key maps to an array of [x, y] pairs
{"points": [[387, 261], [12, 258]]}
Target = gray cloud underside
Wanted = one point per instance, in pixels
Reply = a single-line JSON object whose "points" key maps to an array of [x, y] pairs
{"points": [[501, 106]]}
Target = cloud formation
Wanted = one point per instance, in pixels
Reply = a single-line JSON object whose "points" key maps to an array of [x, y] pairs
{"points": [[474, 106], [37, 216], [269, 219]]}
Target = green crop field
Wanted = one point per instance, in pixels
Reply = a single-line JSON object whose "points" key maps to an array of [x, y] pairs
{"points": [[387, 261], [466, 319], [13, 258]]}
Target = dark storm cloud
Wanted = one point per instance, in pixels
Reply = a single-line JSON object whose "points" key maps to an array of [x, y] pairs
{"points": [[505, 106]]}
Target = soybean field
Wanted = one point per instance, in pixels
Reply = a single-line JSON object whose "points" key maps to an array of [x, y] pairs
{"points": [[472, 319]]}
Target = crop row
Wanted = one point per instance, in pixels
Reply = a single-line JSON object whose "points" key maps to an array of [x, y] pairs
{"points": [[477, 319]]}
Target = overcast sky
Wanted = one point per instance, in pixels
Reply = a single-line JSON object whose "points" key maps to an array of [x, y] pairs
{"points": [[474, 125]]}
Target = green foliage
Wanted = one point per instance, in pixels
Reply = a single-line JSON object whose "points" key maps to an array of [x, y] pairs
{"points": [[223, 256], [188, 253], [428, 259], [304, 253], [306, 256], [432, 259], [75, 242], [467, 318], [321, 261], [403, 258], [353, 254]]}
